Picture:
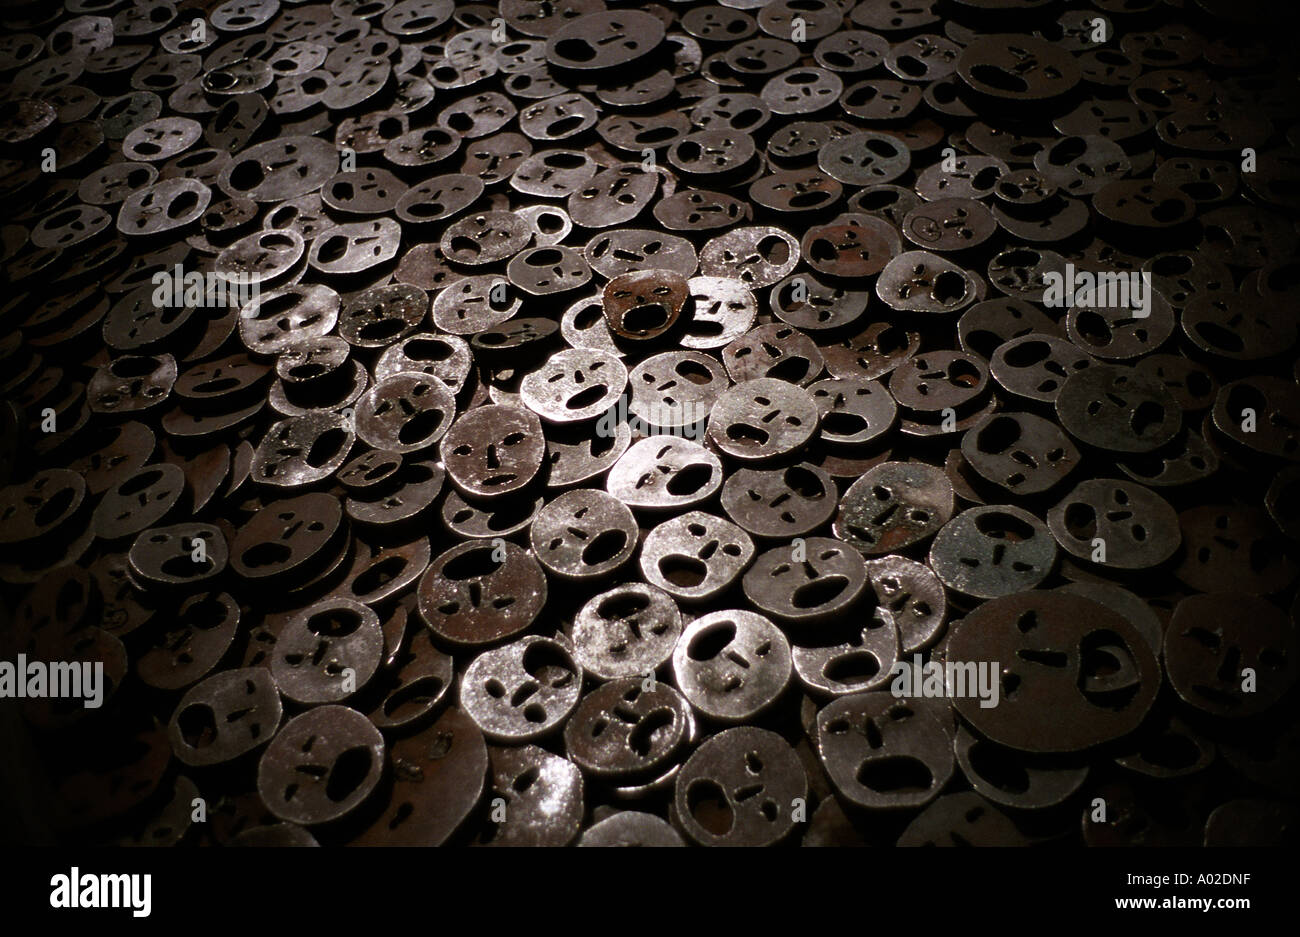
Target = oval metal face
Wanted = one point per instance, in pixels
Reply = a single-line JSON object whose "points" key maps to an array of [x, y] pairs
{"points": [[757, 256], [1137, 529], [321, 765], [1117, 408], [1062, 662], [781, 502], [695, 556], [864, 158], [469, 596], [893, 506], [493, 450], [763, 418], [327, 652], [574, 384], [869, 742], [1021, 452], [439, 774], [1214, 640], [280, 169], [613, 196], [629, 630], [1017, 68], [644, 305], [604, 40], [675, 390], [773, 351], [521, 691], [583, 535], [664, 473], [920, 281], [739, 789], [624, 730], [405, 413], [731, 665], [286, 538], [809, 582], [543, 794], [993, 551], [1036, 365], [227, 715]]}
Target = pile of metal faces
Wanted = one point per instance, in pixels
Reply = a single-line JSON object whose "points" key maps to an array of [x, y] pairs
{"points": [[585, 422]]}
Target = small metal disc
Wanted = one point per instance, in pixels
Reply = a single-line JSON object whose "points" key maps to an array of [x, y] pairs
{"points": [[628, 631], [321, 765], [993, 551], [894, 505], [740, 788], [1073, 673], [731, 665], [583, 534], [468, 596], [695, 556], [521, 691]]}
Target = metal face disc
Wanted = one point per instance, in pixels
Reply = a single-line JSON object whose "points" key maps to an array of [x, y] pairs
{"points": [[662, 473], [1052, 650], [870, 740], [1213, 640], [993, 551], [225, 716], [583, 535], [739, 789], [492, 451], [522, 690], [1118, 409], [622, 730], [468, 596], [322, 765], [762, 418], [695, 556], [779, 503], [731, 664], [893, 506]]}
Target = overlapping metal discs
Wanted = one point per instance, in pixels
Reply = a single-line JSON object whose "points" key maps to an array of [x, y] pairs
{"points": [[628, 395]]}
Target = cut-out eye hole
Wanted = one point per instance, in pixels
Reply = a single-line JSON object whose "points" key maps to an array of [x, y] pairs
{"points": [[1206, 637], [514, 439]]}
